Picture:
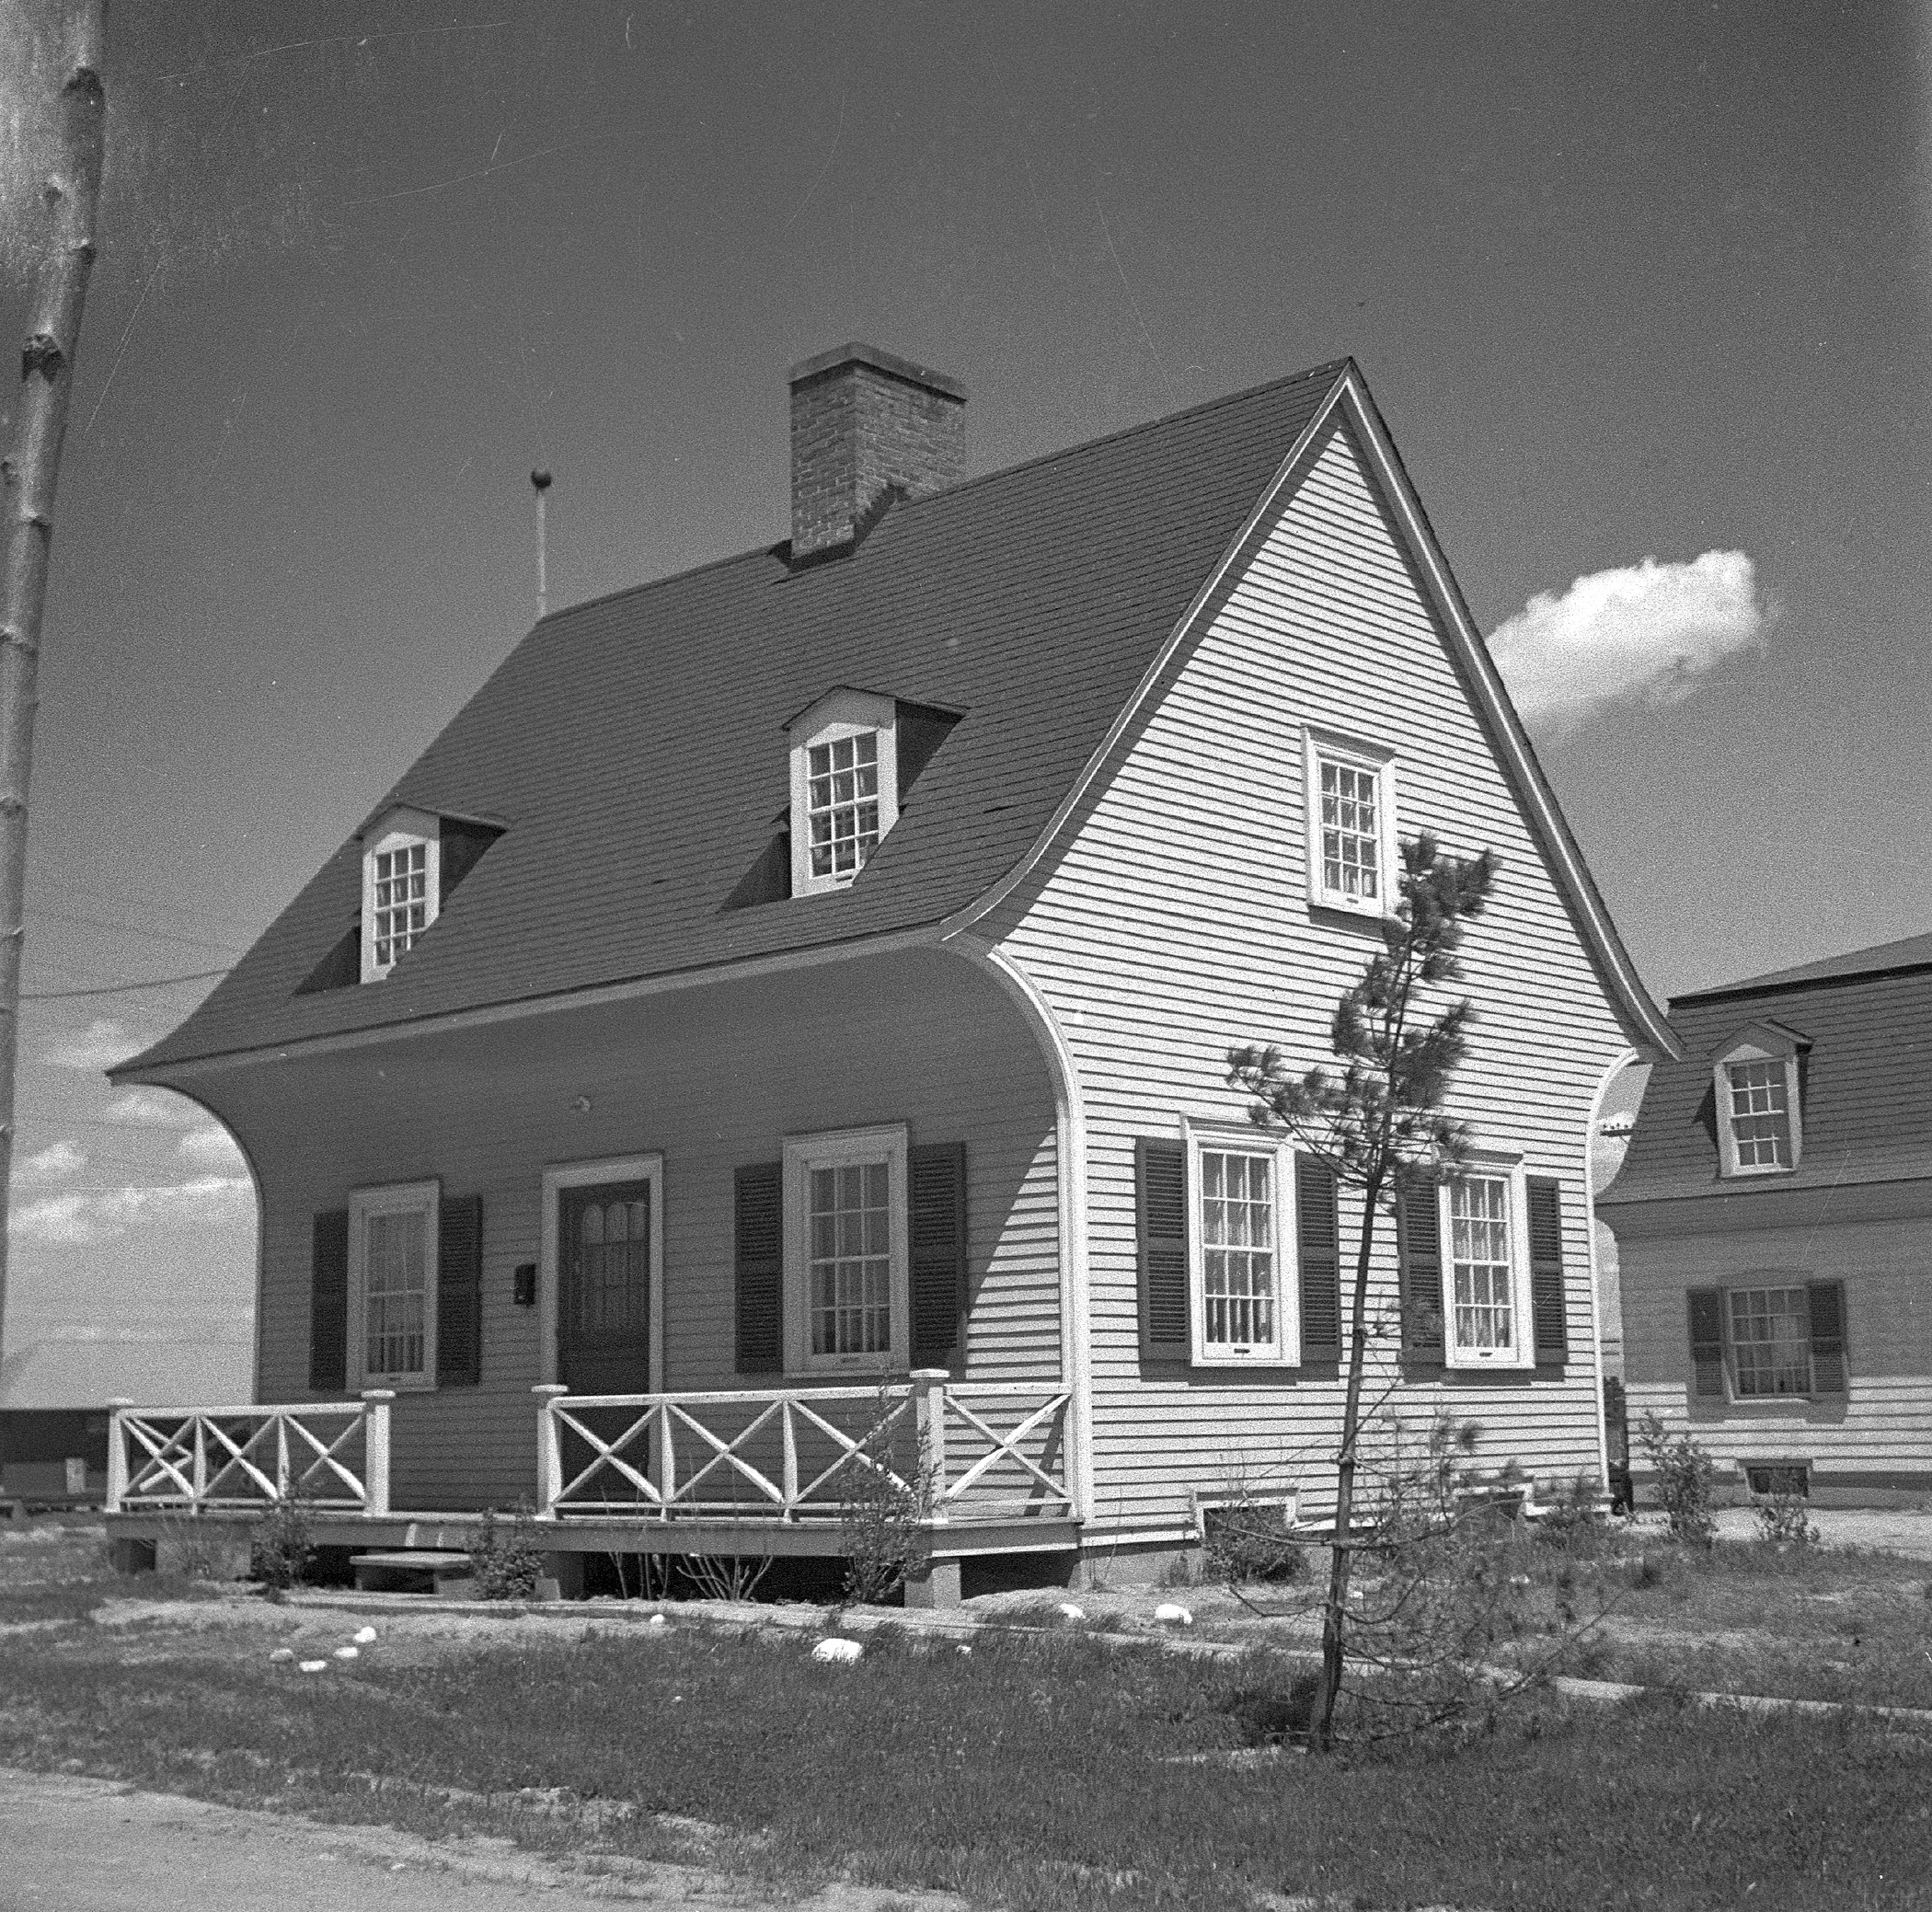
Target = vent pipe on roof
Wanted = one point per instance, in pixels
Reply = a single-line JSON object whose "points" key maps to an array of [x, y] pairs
{"points": [[540, 483], [865, 422]]}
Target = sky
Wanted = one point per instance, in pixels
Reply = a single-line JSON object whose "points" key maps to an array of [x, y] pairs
{"points": [[1642, 292]]}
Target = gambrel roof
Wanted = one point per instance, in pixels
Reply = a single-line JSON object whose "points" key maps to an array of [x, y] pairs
{"points": [[632, 747]]}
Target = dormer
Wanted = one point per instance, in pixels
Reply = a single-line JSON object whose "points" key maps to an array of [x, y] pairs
{"points": [[402, 886], [855, 754], [1757, 1083]]}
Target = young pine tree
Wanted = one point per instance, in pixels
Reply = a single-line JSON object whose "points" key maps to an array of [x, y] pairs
{"points": [[1378, 1123]]}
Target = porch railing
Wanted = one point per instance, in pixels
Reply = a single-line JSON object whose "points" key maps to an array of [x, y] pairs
{"points": [[242, 1459], [965, 1451]]}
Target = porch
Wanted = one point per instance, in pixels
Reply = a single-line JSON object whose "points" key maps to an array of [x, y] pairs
{"points": [[979, 1466]]}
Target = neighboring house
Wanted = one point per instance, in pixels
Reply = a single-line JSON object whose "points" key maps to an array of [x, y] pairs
{"points": [[1774, 1222], [817, 969]]}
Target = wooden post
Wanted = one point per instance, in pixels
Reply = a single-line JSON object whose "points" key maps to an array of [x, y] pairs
{"points": [[71, 193], [549, 1449], [117, 1452], [791, 1461], [200, 1423], [929, 1418], [375, 1450]]}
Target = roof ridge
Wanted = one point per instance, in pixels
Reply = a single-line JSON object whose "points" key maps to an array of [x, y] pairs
{"points": [[1847, 966]]}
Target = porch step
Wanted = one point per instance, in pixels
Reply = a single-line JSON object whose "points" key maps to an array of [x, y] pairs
{"points": [[413, 1570]]}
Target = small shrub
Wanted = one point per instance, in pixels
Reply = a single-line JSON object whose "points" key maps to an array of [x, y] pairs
{"points": [[882, 1513], [1685, 1478], [281, 1550], [1249, 1541], [1784, 1520], [1575, 1521], [726, 1576], [506, 1564]]}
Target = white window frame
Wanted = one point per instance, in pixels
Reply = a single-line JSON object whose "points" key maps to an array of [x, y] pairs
{"points": [[1283, 1349], [839, 714], [1327, 746], [1483, 1165], [400, 829], [843, 1148], [398, 1198], [559, 1176], [1758, 1043], [1733, 1367]]}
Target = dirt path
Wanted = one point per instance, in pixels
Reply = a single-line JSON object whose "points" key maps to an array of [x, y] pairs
{"points": [[79, 1845]]}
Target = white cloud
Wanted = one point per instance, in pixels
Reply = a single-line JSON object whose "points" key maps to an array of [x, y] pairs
{"points": [[80, 1217], [153, 1108], [1644, 633], [57, 1162], [211, 1148], [99, 1046]]}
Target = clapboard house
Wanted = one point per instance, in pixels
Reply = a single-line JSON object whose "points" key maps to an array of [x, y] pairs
{"points": [[1773, 1223], [813, 975]]}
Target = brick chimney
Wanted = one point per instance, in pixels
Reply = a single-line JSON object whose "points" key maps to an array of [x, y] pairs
{"points": [[862, 420]]}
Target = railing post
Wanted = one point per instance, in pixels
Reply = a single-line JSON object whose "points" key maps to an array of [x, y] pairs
{"points": [[790, 1431], [281, 1456], [117, 1452], [199, 1425], [929, 1419], [375, 1450], [549, 1449], [667, 1485]]}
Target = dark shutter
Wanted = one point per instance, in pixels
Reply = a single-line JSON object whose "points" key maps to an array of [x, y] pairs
{"points": [[1161, 1217], [1318, 1233], [329, 1304], [1421, 1258], [759, 1212], [459, 1291], [1828, 1366], [1549, 1313], [937, 1172], [1706, 1339]]}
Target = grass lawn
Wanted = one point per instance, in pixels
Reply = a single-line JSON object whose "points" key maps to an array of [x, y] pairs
{"points": [[1030, 1773]]}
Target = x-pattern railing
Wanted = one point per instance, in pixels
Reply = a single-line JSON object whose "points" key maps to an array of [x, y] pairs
{"points": [[251, 1457]]}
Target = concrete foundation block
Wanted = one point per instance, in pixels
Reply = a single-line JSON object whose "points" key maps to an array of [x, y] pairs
{"points": [[938, 1585]]}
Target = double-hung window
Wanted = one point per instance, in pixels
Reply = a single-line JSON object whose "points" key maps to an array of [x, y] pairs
{"points": [[845, 786], [847, 1304], [1240, 1250], [392, 1286], [1486, 1270], [401, 888], [1351, 800], [1776, 1340], [1770, 1341], [1755, 1088]]}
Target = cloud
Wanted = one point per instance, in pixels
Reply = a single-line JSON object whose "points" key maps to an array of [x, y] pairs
{"points": [[99, 1046], [153, 1108], [57, 1162], [1644, 633], [211, 1148], [81, 1217]]}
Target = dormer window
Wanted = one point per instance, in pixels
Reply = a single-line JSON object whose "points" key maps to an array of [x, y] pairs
{"points": [[402, 886], [845, 786], [1756, 1083]]}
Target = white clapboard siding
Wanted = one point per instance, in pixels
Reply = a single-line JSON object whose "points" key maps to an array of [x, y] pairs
{"points": [[712, 1078], [1176, 925]]}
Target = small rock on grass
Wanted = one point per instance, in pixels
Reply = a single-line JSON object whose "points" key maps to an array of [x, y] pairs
{"points": [[1170, 1613], [282, 1656], [837, 1652], [1068, 1611], [363, 1636], [349, 1653], [312, 1666], [656, 1620]]}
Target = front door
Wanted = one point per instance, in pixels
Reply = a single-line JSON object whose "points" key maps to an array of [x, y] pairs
{"points": [[603, 1289]]}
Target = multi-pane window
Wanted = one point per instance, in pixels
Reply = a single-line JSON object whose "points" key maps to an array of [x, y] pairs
{"points": [[1238, 1254], [849, 1257], [401, 899], [1351, 832], [394, 1292], [1482, 1263], [842, 803], [1760, 1114], [1771, 1341]]}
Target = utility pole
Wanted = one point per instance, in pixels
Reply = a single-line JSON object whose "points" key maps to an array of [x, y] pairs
{"points": [[71, 193], [540, 484]]}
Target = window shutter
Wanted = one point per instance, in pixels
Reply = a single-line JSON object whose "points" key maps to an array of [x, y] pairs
{"points": [[1548, 1314], [1706, 1339], [1828, 1365], [1421, 1259], [937, 1205], [1161, 1213], [459, 1291], [759, 1212], [329, 1304], [1319, 1244]]}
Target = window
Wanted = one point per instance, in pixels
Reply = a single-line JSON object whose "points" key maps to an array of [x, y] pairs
{"points": [[1778, 1340], [392, 1286], [1756, 1088], [401, 888], [1351, 800], [845, 786], [1241, 1229], [1487, 1276], [1770, 1341], [846, 1250]]}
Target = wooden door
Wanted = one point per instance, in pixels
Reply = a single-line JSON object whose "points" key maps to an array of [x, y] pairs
{"points": [[603, 1289]]}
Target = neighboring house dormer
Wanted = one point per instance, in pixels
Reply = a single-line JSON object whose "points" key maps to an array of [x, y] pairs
{"points": [[1757, 1083]]}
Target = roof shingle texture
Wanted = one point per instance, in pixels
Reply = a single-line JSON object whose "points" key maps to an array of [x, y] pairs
{"points": [[633, 745], [1866, 1108]]}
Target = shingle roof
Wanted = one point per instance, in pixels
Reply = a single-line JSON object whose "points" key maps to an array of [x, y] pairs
{"points": [[1867, 1110], [1908, 952]]}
